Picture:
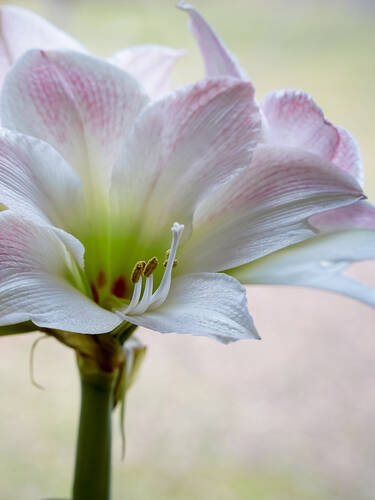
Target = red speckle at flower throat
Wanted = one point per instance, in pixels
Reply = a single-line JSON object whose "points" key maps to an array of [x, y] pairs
{"points": [[120, 288], [95, 294], [101, 279]]}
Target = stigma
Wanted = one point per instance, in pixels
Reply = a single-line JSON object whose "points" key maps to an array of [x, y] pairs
{"points": [[144, 271]]}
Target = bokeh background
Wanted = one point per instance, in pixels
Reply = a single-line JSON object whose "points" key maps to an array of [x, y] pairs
{"points": [[288, 418]]}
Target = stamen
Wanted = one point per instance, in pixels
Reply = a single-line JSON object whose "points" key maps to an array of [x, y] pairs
{"points": [[150, 267], [138, 271], [141, 268], [175, 263], [135, 298], [146, 298]]}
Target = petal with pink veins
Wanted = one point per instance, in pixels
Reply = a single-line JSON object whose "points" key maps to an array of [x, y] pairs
{"points": [[348, 155], [213, 305], [151, 65], [22, 30], [360, 215], [293, 119], [182, 147], [263, 209], [34, 281], [81, 105], [217, 59]]}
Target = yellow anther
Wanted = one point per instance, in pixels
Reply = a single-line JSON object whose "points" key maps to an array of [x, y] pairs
{"points": [[138, 271], [150, 267], [175, 263]]}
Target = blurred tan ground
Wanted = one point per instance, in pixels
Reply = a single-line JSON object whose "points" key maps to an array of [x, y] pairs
{"points": [[287, 418]]}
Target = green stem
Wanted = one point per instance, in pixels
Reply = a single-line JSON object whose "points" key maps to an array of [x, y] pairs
{"points": [[92, 479]]}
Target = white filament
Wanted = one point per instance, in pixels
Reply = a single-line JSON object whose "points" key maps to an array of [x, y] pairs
{"points": [[135, 298], [146, 298]]}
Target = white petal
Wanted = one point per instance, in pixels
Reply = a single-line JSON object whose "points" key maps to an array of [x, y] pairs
{"points": [[182, 147], [217, 58], [316, 263], [81, 105], [22, 30], [34, 269], [151, 65], [37, 183], [264, 208], [212, 305]]}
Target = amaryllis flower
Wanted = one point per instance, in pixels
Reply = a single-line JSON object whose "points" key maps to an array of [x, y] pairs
{"points": [[124, 211], [22, 30], [294, 127]]}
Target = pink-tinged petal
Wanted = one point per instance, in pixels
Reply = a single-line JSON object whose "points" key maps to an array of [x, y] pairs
{"points": [[182, 147], [151, 65], [264, 208], [348, 155], [34, 285], [22, 30], [316, 263], [36, 182], [293, 119], [212, 305], [217, 59], [360, 215], [81, 105]]}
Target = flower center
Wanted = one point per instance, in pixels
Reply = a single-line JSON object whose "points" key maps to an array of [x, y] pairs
{"points": [[144, 271]]}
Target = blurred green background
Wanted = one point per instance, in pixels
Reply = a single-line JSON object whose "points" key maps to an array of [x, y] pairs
{"points": [[288, 418]]}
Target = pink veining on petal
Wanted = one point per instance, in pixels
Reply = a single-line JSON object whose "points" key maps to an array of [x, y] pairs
{"points": [[293, 119], [360, 215], [184, 146], [10, 249], [81, 105], [348, 155], [49, 99], [186, 111], [22, 30], [275, 173]]}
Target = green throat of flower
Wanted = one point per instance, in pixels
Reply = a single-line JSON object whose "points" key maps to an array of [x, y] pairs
{"points": [[132, 293]]}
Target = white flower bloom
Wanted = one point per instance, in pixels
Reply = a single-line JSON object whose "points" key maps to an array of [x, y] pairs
{"points": [[96, 177]]}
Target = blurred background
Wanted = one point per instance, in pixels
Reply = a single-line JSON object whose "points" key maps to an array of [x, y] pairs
{"points": [[287, 418]]}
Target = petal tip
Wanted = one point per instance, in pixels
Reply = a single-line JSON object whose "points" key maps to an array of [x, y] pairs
{"points": [[183, 5]]}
